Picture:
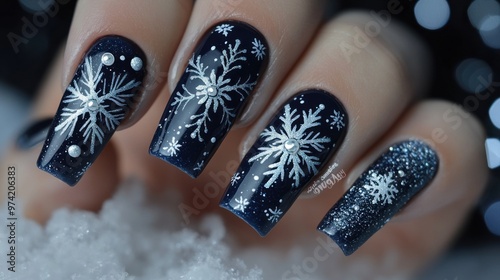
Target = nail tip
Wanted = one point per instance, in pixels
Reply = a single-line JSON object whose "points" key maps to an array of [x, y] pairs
{"points": [[260, 230], [346, 249], [193, 171], [70, 181]]}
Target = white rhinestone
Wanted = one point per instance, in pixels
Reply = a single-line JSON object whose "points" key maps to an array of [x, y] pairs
{"points": [[401, 173], [136, 63], [321, 106], [292, 145], [212, 91], [122, 57], [92, 105], [108, 59], [213, 140], [74, 151]]}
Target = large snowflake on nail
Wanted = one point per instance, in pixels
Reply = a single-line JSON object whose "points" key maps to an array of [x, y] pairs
{"points": [[94, 104], [381, 187], [294, 143], [214, 91]]}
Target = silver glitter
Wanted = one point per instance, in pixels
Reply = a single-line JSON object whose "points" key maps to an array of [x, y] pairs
{"points": [[136, 63], [108, 59], [74, 151], [415, 163]]}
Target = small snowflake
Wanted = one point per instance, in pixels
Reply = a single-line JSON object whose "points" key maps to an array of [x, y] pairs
{"points": [[294, 143], [172, 148], [241, 204], [236, 177], [258, 49], [382, 189], [337, 120], [273, 215], [199, 165], [224, 29]]}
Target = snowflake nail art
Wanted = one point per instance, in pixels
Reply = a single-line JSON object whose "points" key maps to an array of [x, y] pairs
{"points": [[219, 77], [379, 193], [289, 152], [95, 103]]}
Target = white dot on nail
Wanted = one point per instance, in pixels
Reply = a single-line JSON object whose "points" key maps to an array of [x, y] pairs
{"points": [[74, 151], [108, 59], [136, 63]]}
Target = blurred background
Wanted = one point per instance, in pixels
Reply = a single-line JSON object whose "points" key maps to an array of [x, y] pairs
{"points": [[464, 36]]}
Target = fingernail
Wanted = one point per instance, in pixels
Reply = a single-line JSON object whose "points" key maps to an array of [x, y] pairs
{"points": [[104, 87], [33, 134], [220, 75], [379, 193], [293, 147]]}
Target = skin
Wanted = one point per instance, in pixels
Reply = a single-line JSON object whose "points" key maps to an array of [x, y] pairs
{"points": [[382, 87]]}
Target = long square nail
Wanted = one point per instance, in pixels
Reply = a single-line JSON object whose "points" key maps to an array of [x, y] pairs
{"points": [[221, 74], [290, 151], [99, 97], [379, 193]]}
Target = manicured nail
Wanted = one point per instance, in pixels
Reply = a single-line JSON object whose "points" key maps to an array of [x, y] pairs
{"points": [[289, 152], [379, 193], [104, 87], [220, 75], [34, 134]]}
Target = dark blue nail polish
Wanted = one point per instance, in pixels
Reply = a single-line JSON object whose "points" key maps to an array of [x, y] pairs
{"points": [[288, 154], [35, 133], [379, 193], [105, 86], [220, 75]]}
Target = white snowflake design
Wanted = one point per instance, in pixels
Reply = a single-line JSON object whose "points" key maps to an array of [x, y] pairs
{"points": [[293, 145], [258, 49], [382, 189], [214, 91], [172, 148], [88, 103], [199, 165], [236, 177], [224, 29], [273, 215], [337, 120], [241, 204]]}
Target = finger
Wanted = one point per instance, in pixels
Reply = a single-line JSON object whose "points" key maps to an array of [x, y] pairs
{"points": [[241, 55], [39, 193], [321, 110], [443, 176], [114, 59]]}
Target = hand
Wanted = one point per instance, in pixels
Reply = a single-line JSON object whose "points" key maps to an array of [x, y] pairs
{"points": [[374, 80]]}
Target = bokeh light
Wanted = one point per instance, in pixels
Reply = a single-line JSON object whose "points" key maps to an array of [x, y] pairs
{"points": [[474, 75], [432, 14]]}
